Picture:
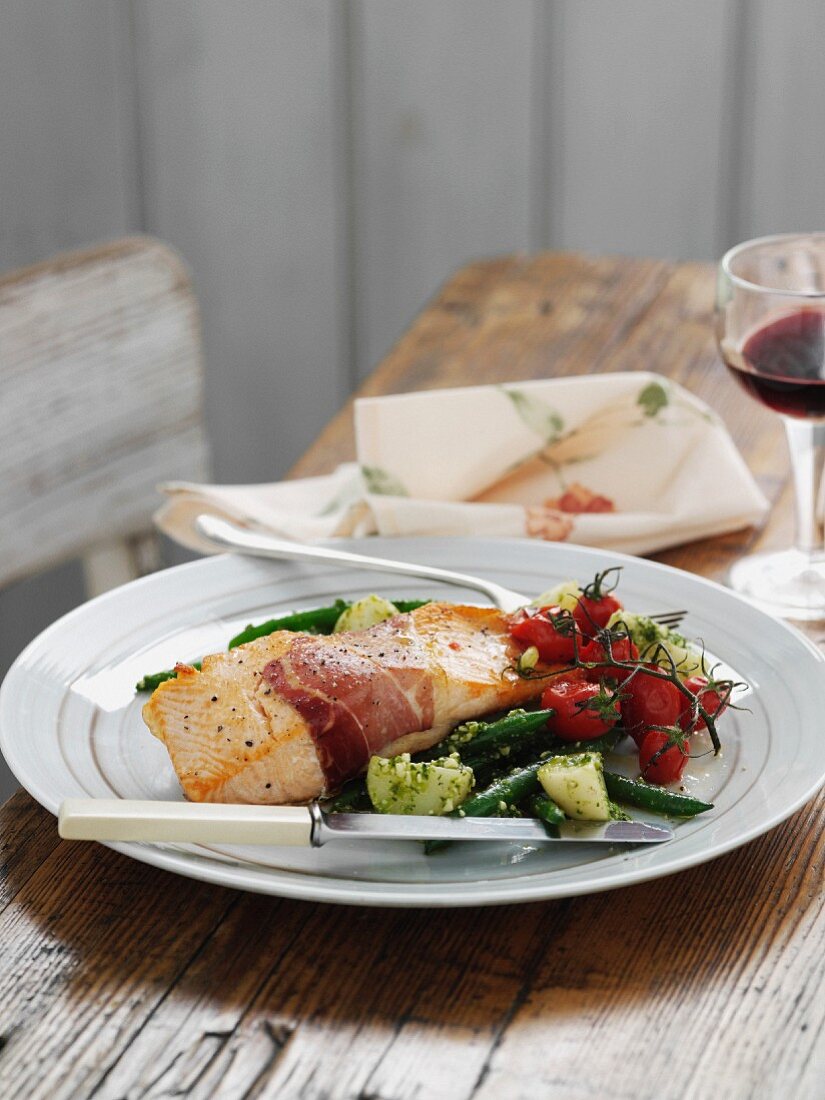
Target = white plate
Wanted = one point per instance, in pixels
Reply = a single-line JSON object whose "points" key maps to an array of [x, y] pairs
{"points": [[70, 723]]}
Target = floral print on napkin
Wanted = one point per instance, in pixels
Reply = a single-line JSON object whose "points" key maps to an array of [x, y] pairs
{"points": [[626, 461], [629, 459]]}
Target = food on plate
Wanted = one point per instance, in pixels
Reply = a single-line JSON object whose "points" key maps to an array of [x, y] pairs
{"points": [[714, 695], [581, 710], [422, 787], [289, 717], [364, 613], [591, 606], [482, 746], [648, 796], [655, 642], [663, 755], [596, 604], [418, 707], [649, 701], [548, 630], [546, 810], [317, 620], [576, 784]]}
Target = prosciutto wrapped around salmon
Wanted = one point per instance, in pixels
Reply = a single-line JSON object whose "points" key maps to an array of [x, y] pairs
{"points": [[290, 717]]}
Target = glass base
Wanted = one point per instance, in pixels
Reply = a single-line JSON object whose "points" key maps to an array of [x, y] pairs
{"points": [[789, 583]]}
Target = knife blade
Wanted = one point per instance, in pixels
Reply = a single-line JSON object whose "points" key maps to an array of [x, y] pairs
{"points": [[205, 823]]}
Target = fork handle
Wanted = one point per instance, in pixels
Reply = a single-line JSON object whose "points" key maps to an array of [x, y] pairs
{"points": [[229, 536]]}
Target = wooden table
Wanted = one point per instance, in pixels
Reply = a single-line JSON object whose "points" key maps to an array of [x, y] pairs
{"points": [[119, 980]]}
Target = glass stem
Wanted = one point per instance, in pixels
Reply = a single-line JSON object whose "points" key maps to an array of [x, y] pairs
{"points": [[806, 442]]}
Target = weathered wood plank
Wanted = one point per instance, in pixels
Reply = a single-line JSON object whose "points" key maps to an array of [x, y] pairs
{"points": [[277, 982], [407, 978], [725, 955], [27, 837], [195, 1041], [91, 943], [101, 377]]}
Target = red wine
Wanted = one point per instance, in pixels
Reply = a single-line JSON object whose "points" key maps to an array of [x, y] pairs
{"points": [[783, 364]]}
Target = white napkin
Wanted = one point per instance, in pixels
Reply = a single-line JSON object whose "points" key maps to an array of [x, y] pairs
{"points": [[628, 462]]}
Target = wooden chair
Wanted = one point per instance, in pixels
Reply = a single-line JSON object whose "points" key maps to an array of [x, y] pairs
{"points": [[100, 399]]}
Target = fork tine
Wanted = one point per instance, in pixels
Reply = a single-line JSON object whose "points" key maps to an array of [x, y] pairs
{"points": [[669, 618]]}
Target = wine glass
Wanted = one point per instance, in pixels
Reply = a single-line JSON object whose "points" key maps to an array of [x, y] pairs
{"points": [[770, 325]]}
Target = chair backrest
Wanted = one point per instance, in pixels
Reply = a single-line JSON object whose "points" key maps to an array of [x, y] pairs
{"points": [[100, 399]]}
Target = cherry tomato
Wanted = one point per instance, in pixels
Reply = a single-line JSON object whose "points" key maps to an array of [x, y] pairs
{"points": [[658, 762], [595, 606], [594, 651], [592, 615], [712, 695], [582, 710], [649, 701], [550, 629]]}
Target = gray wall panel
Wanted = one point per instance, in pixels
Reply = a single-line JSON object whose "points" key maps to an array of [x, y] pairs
{"points": [[637, 104], [781, 185], [66, 179], [442, 153], [239, 151], [65, 131]]}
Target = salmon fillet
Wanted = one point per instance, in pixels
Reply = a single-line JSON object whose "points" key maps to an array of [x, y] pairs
{"points": [[290, 717]]}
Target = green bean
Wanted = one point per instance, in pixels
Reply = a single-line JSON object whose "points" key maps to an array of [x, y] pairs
{"points": [[479, 743], [604, 744], [499, 798], [155, 679], [504, 793], [352, 798], [492, 767], [651, 797], [405, 606], [517, 730], [318, 620], [543, 807]]}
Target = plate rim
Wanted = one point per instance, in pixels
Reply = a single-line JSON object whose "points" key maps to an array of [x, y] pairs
{"points": [[284, 882]]}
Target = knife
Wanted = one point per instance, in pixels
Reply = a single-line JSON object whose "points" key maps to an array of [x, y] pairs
{"points": [[212, 823]]}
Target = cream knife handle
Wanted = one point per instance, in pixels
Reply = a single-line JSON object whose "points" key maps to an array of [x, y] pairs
{"points": [[186, 822]]}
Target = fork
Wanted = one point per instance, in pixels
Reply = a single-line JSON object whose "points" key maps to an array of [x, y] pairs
{"points": [[240, 540]]}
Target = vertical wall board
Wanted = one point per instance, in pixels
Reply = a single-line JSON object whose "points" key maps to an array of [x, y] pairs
{"points": [[782, 186], [65, 180], [64, 135], [442, 150], [238, 137], [637, 102]]}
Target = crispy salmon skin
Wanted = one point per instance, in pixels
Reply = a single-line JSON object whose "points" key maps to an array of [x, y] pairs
{"points": [[290, 717]]}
